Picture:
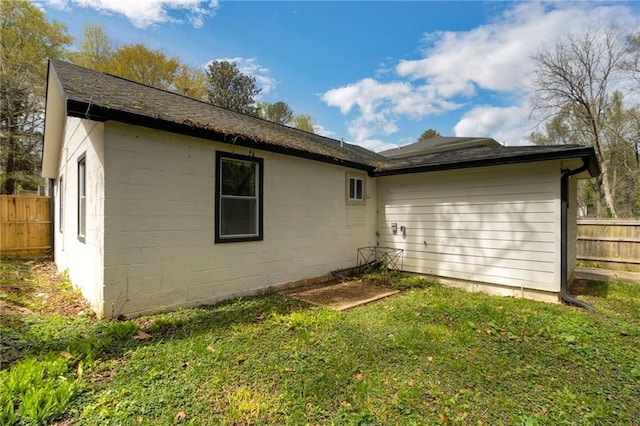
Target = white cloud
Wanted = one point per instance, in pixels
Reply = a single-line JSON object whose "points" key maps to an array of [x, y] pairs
{"points": [[368, 95], [490, 62], [493, 56], [143, 13], [507, 125], [250, 66], [375, 145], [381, 104], [323, 131]]}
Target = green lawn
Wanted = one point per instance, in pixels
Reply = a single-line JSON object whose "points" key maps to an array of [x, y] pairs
{"points": [[429, 355]]}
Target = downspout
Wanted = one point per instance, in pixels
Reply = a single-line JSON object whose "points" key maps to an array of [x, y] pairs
{"points": [[564, 209]]}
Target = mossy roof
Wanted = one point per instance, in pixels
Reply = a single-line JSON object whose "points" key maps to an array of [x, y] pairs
{"points": [[99, 96]]}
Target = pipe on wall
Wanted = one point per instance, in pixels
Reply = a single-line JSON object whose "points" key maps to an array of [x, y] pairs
{"points": [[564, 211]]}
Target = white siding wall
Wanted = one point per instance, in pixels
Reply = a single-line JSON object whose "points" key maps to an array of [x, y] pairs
{"points": [[159, 242], [83, 260], [497, 225]]}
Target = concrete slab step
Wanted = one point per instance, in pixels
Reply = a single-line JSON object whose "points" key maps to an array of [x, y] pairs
{"points": [[600, 274]]}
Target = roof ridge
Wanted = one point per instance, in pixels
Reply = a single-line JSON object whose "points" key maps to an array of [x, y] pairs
{"points": [[149, 86]]}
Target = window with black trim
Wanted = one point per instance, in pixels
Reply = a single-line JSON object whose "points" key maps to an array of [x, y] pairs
{"points": [[355, 188], [82, 197], [238, 198]]}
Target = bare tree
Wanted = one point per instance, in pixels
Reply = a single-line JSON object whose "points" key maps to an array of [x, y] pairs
{"points": [[577, 78]]}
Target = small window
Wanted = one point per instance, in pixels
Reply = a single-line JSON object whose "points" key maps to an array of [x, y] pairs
{"points": [[238, 198], [355, 188], [61, 204], [82, 198]]}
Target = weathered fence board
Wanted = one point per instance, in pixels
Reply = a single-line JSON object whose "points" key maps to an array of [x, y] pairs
{"points": [[25, 226], [609, 243]]}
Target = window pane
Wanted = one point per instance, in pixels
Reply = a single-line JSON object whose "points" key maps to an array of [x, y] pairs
{"points": [[237, 216], [81, 218], [82, 191], [238, 178], [356, 189], [61, 201]]}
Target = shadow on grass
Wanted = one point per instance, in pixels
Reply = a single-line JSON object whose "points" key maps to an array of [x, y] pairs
{"points": [[88, 338], [589, 288], [24, 336]]}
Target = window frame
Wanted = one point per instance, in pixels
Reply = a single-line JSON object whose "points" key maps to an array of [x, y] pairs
{"points": [[61, 197], [259, 186], [355, 177], [82, 197]]}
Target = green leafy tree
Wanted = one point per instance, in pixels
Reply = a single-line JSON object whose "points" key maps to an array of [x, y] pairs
{"points": [[304, 122], [139, 63], [229, 88], [96, 50], [428, 134], [27, 39], [278, 112], [191, 82]]}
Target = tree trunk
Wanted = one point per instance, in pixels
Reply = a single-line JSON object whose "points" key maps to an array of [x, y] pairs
{"points": [[606, 189], [9, 184], [599, 197]]}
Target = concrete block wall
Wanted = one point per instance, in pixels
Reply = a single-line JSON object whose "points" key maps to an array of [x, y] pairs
{"points": [[82, 259], [159, 250]]}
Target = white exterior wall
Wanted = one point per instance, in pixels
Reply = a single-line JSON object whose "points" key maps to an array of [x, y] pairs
{"points": [[498, 225], [159, 249], [82, 260]]}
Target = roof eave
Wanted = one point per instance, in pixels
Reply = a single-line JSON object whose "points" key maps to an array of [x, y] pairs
{"points": [[583, 153], [98, 113]]}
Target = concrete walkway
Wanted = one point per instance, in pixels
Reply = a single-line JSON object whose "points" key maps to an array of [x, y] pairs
{"points": [[599, 274]]}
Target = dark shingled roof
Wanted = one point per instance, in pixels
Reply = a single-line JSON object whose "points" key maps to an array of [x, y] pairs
{"points": [[487, 156], [101, 97], [437, 144]]}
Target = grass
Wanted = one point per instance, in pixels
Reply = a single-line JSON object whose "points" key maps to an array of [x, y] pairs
{"points": [[430, 355]]}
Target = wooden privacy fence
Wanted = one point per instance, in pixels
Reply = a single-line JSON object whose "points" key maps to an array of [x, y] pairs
{"points": [[613, 244], [25, 226]]}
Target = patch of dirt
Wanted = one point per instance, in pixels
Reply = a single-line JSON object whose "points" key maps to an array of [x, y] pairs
{"points": [[581, 287], [343, 295], [29, 287]]}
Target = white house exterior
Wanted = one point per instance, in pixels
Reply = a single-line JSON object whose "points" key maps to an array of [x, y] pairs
{"points": [[165, 202], [497, 228], [149, 242]]}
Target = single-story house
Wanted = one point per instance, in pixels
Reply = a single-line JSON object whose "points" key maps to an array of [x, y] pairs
{"points": [[162, 202]]}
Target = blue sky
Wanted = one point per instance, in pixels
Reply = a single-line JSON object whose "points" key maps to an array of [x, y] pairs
{"points": [[373, 73]]}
